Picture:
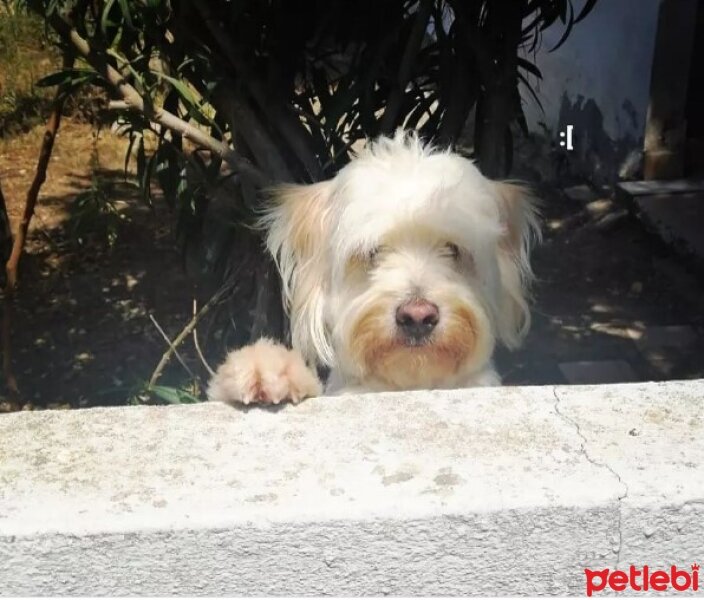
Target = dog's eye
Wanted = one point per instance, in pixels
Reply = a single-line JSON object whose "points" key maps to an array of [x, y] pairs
{"points": [[451, 250]]}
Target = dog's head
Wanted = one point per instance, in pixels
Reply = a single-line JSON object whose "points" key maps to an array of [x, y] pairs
{"points": [[404, 269]]}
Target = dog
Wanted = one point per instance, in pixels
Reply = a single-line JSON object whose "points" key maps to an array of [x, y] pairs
{"points": [[400, 273]]}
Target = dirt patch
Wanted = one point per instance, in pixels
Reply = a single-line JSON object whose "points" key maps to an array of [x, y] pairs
{"points": [[81, 332]]}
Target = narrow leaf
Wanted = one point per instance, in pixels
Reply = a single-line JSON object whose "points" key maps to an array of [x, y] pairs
{"points": [[568, 29], [586, 9], [173, 395]]}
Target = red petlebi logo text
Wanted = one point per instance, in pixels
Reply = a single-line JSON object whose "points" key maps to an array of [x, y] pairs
{"points": [[643, 579]]}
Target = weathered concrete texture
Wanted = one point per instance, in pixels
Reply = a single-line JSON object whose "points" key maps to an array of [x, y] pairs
{"points": [[486, 491], [655, 446]]}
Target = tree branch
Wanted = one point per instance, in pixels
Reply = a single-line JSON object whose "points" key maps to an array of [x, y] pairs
{"points": [[52, 128], [135, 101], [172, 348], [12, 265], [196, 344], [217, 297], [5, 232], [289, 126]]}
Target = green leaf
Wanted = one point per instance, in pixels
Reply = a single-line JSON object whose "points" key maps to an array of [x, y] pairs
{"points": [[188, 98], [105, 21], [173, 395], [138, 77], [182, 89], [67, 77], [124, 7]]}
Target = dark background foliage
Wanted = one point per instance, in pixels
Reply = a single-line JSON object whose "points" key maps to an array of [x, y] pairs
{"points": [[243, 93]]}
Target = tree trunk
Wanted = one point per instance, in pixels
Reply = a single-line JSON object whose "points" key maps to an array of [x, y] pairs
{"points": [[5, 235], [498, 65], [9, 381], [52, 127], [12, 265], [494, 112]]}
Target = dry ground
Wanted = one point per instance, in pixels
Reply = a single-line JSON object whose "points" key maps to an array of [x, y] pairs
{"points": [[80, 328]]}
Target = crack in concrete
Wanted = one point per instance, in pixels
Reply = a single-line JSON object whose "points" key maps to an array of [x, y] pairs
{"points": [[596, 463]]}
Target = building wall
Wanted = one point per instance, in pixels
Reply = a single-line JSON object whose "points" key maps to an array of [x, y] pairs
{"points": [[598, 81]]}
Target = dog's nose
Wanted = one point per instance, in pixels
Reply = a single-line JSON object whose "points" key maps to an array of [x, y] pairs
{"points": [[417, 318]]}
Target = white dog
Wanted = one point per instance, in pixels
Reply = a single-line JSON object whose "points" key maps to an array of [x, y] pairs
{"points": [[399, 273]]}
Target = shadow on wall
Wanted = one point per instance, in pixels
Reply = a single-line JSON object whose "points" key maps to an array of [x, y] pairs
{"points": [[596, 156]]}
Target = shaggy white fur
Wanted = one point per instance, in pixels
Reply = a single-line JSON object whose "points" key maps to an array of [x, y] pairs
{"points": [[401, 272]]}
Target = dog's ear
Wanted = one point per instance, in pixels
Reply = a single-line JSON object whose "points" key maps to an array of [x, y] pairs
{"points": [[297, 226], [519, 218]]}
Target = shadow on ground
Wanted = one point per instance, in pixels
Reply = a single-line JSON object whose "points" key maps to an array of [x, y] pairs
{"points": [[612, 304], [81, 333]]}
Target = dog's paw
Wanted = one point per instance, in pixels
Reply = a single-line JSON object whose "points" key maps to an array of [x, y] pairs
{"points": [[265, 372]]}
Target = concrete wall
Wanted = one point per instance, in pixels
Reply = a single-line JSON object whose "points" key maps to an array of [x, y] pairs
{"points": [[486, 491], [598, 81]]}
